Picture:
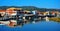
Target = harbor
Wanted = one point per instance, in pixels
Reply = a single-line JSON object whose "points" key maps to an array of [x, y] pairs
{"points": [[29, 15], [18, 17]]}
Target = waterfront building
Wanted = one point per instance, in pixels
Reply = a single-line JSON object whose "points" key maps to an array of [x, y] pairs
{"points": [[2, 13], [47, 13], [58, 14], [34, 12]]}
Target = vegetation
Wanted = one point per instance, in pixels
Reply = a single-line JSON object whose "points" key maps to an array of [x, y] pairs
{"points": [[28, 8], [57, 19]]}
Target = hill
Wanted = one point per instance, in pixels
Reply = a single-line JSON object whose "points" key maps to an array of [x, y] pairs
{"points": [[28, 8]]}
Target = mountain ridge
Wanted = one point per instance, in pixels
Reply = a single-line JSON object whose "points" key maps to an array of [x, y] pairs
{"points": [[28, 8]]}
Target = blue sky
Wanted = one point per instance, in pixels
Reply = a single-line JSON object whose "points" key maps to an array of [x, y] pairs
{"points": [[37, 3]]}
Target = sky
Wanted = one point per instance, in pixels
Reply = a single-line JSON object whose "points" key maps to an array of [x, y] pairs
{"points": [[37, 3]]}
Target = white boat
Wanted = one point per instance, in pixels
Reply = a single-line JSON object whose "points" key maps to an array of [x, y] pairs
{"points": [[4, 22]]}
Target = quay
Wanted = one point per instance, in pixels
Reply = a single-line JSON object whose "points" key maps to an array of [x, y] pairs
{"points": [[21, 17]]}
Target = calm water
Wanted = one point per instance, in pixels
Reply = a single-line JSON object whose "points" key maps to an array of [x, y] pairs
{"points": [[39, 26]]}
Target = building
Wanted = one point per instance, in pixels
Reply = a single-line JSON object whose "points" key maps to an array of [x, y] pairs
{"points": [[2, 12]]}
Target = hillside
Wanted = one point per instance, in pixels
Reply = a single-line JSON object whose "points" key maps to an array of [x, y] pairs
{"points": [[28, 8]]}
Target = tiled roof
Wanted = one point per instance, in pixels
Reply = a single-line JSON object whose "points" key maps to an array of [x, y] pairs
{"points": [[2, 10]]}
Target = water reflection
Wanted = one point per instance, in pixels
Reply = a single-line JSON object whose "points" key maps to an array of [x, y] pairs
{"points": [[39, 26]]}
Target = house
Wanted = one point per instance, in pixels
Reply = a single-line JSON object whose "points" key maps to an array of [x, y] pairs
{"points": [[11, 11], [2, 13]]}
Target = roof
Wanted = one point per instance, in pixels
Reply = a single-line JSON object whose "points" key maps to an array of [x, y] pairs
{"points": [[2, 10]]}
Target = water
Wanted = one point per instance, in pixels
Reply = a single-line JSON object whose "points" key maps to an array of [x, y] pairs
{"points": [[39, 26]]}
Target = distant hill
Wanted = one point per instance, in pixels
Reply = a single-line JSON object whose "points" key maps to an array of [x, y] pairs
{"points": [[28, 8]]}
